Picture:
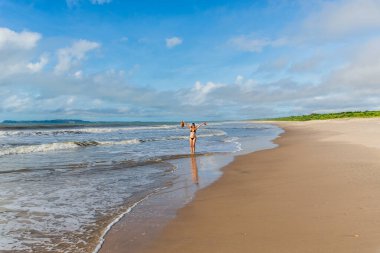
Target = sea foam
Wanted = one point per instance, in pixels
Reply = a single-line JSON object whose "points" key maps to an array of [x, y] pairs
{"points": [[48, 147]]}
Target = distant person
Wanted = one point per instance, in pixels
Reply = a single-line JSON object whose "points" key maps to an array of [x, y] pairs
{"points": [[193, 137]]}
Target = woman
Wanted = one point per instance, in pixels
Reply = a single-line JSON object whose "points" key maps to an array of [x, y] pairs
{"points": [[193, 137]]}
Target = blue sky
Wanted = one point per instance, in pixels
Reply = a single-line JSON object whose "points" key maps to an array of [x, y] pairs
{"points": [[194, 60]]}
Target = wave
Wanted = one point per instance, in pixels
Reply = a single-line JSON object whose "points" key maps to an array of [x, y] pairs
{"points": [[96, 130], [112, 165], [75, 131], [213, 133], [123, 142], [185, 137], [235, 140], [58, 146], [119, 217], [37, 148], [122, 129]]}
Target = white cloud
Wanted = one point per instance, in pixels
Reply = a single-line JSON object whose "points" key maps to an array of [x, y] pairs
{"points": [[173, 42], [72, 56], [100, 2], [245, 43], [12, 67], [362, 72], [279, 84], [246, 85], [239, 79], [204, 89], [251, 45], [309, 64], [344, 17], [73, 3], [108, 94], [78, 74], [20, 41], [70, 100], [199, 92], [16, 103], [17, 51], [274, 65], [38, 66]]}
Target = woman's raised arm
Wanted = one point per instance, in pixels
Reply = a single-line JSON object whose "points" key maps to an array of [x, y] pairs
{"points": [[202, 124]]}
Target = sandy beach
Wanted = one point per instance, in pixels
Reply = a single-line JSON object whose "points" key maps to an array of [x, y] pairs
{"points": [[317, 192]]}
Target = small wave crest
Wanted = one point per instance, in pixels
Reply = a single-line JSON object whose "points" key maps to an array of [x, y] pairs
{"points": [[76, 131], [184, 137], [123, 142], [37, 148], [58, 146], [213, 133], [235, 140]]}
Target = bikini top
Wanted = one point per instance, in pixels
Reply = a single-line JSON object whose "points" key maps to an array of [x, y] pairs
{"points": [[193, 130]]}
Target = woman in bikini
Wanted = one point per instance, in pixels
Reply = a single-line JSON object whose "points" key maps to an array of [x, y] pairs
{"points": [[193, 137]]}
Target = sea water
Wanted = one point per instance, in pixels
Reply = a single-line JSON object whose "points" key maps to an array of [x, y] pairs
{"points": [[62, 186]]}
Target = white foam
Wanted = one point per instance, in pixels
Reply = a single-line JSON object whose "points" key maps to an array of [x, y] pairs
{"points": [[236, 142], [119, 217], [38, 148], [123, 142], [62, 203], [213, 133], [58, 146], [59, 207], [94, 130]]}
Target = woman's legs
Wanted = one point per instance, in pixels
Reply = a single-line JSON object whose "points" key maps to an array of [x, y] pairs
{"points": [[192, 145]]}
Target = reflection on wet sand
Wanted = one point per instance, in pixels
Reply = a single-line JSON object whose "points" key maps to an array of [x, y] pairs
{"points": [[194, 169]]}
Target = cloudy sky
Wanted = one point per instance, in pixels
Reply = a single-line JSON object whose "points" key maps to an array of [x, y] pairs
{"points": [[187, 59]]}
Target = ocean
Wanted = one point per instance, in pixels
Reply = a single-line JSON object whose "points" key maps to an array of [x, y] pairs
{"points": [[63, 186]]}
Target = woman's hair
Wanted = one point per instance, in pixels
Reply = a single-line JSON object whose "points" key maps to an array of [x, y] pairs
{"points": [[193, 124]]}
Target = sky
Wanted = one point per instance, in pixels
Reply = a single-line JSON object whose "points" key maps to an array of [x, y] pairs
{"points": [[168, 60]]}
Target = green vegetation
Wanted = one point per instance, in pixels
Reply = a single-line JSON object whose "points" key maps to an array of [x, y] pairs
{"points": [[324, 116]]}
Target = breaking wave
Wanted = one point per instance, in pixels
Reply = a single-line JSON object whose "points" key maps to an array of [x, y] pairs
{"points": [[58, 146], [76, 131]]}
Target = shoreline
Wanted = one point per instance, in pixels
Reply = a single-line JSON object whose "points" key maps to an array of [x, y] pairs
{"points": [[118, 218], [160, 206], [316, 192], [131, 229]]}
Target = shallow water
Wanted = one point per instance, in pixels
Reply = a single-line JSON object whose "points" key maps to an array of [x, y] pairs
{"points": [[61, 187]]}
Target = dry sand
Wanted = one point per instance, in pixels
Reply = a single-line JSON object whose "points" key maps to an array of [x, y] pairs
{"points": [[319, 191]]}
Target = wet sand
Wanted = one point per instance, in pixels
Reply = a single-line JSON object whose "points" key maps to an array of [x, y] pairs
{"points": [[318, 191]]}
